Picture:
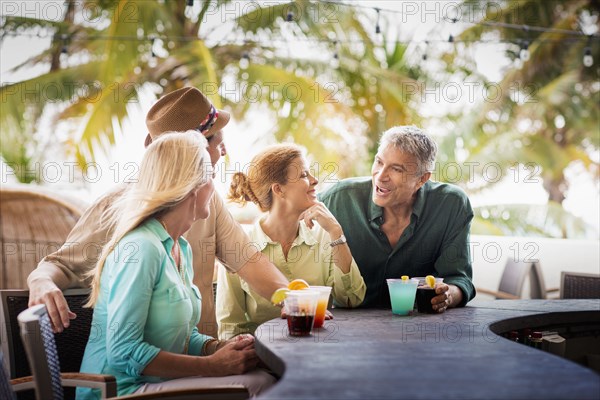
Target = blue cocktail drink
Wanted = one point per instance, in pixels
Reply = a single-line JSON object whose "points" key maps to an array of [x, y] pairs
{"points": [[402, 295]]}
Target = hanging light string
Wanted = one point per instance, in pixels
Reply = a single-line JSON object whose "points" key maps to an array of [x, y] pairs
{"points": [[523, 42], [378, 10], [533, 28], [147, 38]]}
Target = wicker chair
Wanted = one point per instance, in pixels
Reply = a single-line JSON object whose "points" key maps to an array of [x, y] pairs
{"points": [[575, 285], [33, 223], [70, 343], [6, 391], [70, 346], [48, 381], [40, 347]]}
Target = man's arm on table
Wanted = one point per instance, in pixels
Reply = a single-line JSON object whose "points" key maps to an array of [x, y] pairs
{"points": [[262, 276], [67, 267]]}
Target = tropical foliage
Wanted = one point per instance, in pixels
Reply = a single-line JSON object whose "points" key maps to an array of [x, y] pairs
{"points": [[320, 75], [102, 62], [545, 117]]}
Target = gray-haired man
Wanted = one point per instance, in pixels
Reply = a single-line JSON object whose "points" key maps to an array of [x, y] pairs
{"points": [[398, 222]]}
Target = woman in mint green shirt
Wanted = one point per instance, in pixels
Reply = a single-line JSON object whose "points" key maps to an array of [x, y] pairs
{"points": [[145, 305], [298, 234]]}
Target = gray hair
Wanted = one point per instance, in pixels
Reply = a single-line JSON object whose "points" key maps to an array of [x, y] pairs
{"points": [[414, 141]]}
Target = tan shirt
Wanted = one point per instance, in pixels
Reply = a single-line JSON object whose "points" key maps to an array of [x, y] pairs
{"points": [[218, 236], [240, 309]]}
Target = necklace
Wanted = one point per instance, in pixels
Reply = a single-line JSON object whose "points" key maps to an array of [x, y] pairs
{"points": [[178, 266]]}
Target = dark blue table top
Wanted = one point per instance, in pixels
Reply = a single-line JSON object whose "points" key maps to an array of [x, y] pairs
{"points": [[373, 354]]}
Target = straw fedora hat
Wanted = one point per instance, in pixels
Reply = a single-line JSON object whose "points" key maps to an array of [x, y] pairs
{"points": [[184, 109]]}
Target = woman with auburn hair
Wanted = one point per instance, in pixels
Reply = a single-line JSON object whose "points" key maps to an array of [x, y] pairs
{"points": [[280, 184], [145, 305]]}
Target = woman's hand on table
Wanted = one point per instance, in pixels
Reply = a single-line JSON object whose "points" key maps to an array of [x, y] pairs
{"points": [[236, 356], [244, 336]]}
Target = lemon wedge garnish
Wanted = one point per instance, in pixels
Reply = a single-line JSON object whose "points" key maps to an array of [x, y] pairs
{"points": [[298, 284], [430, 280], [279, 295], [404, 277]]}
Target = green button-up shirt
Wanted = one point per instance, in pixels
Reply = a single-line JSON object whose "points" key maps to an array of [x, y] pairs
{"points": [[434, 243]]}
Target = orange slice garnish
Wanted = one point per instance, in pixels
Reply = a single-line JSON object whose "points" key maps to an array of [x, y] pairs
{"points": [[298, 284], [279, 295]]}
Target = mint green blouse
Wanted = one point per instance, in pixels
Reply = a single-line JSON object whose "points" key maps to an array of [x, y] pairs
{"points": [[143, 307]]}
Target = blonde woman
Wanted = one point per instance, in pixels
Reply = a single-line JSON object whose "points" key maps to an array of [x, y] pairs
{"points": [[279, 182], [145, 305]]}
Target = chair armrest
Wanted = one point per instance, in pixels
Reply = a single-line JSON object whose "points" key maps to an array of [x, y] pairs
{"points": [[106, 383], [554, 292], [498, 294], [22, 383], [237, 392]]}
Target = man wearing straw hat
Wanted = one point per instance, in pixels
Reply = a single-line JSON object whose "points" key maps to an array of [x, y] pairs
{"points": [[219, 236]]}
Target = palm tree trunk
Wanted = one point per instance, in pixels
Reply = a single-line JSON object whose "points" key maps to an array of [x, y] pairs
{"points": [[556, 189], [57, 42]]}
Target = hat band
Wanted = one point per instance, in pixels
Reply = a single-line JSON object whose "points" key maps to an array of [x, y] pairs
{"points": [[209, 121]]}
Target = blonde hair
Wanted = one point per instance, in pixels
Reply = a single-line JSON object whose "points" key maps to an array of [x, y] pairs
{"points": [[266, 168], [172, 167]]}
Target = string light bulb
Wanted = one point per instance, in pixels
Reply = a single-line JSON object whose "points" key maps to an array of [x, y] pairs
{"points": [[65, 47], [335, 61], [152, 62], [450, 39], [245, 60], [524, 53], [152, 53], [377, 26], [190, 3], [588, 60], [290, 16]]}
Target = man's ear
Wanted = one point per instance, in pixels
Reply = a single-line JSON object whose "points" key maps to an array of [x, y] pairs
{"points": [[424, 178]]}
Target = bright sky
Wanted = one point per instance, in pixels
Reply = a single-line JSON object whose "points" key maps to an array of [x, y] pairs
{"points": [[418, 21]]}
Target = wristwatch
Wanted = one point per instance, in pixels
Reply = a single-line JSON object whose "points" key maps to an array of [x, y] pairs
{"points": [[340, 240]]}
